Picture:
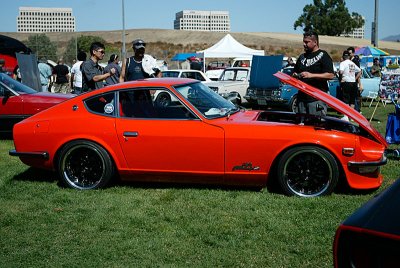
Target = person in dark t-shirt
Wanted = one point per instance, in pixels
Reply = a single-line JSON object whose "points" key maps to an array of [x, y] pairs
{"points": [[140, 65], [92, 73], [314, 67], [61, 74]]}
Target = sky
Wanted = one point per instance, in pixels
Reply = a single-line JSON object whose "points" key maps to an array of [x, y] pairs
{"points": [[246, 16]]}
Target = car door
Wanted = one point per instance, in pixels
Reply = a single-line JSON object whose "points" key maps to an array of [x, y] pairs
{"points": [[369, 83], [170, 140], [11, 109]]}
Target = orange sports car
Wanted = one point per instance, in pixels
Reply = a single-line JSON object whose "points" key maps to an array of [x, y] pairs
{"points": [[199, 137]]}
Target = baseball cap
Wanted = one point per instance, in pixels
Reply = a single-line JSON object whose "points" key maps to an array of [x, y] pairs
{"points": [[138, 43], [346, 53]]}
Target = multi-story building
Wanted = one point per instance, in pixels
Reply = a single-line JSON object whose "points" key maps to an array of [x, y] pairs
{"points": [[356, 33], [42, 20], [195, 20]]}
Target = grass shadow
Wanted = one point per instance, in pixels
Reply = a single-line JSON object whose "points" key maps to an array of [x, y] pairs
{"points": [[181, 185], [34, 174]]}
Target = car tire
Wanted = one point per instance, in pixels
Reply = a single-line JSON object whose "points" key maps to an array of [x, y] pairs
{"points": [[293, 104], [85, 165], [163, 100], [307, 171]]}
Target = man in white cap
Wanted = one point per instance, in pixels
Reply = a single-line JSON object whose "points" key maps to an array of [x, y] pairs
{"points": [[140, 65]]}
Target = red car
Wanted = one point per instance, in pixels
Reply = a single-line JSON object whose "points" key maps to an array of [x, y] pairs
{"points": [[19, 102], [199, 137]]}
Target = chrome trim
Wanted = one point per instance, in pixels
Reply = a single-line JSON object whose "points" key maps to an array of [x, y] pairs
{"points": [[131, 134], [366, 164], [42, 155]]}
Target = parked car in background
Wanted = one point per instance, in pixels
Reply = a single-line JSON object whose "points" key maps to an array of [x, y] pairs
{"points": [[286, 97], [242, 62], [370, 237], [232, 84], [19, 101], [162, 98], [119, 132], [182, 73], [216, 65]]}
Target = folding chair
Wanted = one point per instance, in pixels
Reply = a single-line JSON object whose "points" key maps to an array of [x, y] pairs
{"points": [[372, 95]]}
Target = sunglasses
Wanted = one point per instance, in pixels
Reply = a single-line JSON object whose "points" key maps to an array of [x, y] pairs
{"points": [[101, 51]]}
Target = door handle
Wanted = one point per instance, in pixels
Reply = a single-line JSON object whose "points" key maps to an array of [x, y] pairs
{"points": [[131, 134]]}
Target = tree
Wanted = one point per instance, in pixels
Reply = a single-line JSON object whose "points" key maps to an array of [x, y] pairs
{"points": [[42, 46], [81, 44], [329, 17]]}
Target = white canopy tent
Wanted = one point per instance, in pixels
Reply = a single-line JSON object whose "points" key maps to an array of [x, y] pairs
{"points": [[228, 47]]}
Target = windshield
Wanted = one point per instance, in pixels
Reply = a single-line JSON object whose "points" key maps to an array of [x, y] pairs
{"points": [[15, 85], [234, 75], [170, 74], [206, 101]]}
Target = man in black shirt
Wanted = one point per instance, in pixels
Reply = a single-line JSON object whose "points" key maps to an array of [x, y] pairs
{"points": [[92, 73], [140, 65], [61, 74], [314, 67]]}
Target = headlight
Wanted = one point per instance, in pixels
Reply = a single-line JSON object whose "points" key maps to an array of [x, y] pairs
{"points": [[250, 91], [276, 93]]}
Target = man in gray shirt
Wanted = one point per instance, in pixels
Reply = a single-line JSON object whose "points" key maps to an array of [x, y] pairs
{"points": [[92, 73]]}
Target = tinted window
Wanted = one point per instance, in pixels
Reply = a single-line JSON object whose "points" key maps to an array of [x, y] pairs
{"points": [[152, 103], [102, 104], [170, 74]]}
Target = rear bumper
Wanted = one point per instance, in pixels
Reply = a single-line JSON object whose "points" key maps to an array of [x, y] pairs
{"points": [[38, 155]]}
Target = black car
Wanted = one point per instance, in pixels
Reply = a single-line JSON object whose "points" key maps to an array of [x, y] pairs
{"points": [[370, 237]]}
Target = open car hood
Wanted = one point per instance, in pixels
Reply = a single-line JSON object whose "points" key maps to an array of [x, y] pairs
{"points": [[333, 103]]}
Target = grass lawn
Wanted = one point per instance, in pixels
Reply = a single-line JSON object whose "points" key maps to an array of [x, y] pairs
{"points": [[44, 225]]}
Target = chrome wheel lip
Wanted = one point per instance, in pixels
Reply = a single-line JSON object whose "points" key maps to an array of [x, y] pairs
{"points": [[87, 165], [321, 187]]}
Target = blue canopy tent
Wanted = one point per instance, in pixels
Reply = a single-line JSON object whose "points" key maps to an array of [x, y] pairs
{"points": [[184, 56]]}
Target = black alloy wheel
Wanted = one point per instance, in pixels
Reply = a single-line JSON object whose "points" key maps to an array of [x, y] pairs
{"points": [[307, 171], [85, 165]]}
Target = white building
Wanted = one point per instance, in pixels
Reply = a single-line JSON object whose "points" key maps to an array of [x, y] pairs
{"points": [[195, 20], [356, 33], [42, 20]]}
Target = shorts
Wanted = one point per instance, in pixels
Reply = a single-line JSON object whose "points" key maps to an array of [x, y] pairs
{"points": [[349, 90], [318, 108]]}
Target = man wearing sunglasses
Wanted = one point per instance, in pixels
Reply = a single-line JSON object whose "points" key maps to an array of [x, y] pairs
{"points": [[140, 65], [92, 73]]}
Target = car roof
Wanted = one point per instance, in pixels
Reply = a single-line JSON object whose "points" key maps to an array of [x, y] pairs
{"points": [[149, 82], [182, 70]]}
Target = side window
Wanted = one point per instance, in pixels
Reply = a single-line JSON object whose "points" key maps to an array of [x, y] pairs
{"points": [[241, 75], [102, 104], [192, 75], [199, 77], [151, 103]]}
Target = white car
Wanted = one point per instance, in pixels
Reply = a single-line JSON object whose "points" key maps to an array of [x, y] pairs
{"points": [[232, 84], [183, 73], [163, 98]]}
